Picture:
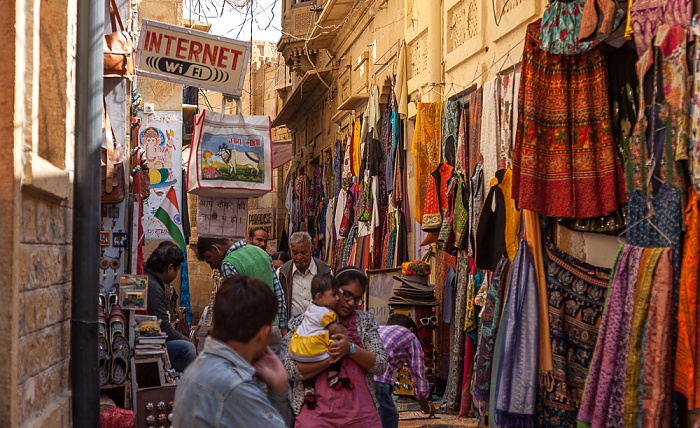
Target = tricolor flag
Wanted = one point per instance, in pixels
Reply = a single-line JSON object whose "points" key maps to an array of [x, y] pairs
{"points": [[169, 214]]}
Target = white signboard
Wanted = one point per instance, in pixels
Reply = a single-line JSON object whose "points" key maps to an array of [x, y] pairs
{"points": [[160, 136], [222, 217], [192, 58]]}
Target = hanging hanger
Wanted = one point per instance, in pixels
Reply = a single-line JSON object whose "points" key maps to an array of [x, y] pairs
{"points": [[650, 214]]}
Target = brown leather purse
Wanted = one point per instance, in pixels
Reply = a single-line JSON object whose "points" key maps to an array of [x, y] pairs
{"points": [[118, 49], [112, 174]]}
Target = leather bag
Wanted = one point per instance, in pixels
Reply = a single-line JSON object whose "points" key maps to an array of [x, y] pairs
{"points": [[118, 49], [112, 175]]}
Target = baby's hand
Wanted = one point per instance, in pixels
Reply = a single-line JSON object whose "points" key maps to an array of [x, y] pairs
{"points": [[336, 328]]}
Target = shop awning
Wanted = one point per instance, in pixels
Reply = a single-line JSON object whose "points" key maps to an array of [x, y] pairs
{"points": [[301, 95], [281, 152]]}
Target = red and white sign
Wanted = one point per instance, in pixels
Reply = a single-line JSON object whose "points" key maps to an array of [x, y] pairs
{"points": [[192, 58]]}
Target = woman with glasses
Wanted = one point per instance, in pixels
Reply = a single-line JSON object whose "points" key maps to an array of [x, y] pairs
{"points": [[361, 356]]}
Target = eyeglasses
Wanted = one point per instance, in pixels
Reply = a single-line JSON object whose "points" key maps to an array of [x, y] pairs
{"points": [[349, 297], [428, 320]]}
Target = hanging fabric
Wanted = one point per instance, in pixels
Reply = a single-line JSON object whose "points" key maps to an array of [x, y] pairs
{"points": [[576, 126], [647, 17], [451, 112], [490, 129], [506, 96], [426, 150]]}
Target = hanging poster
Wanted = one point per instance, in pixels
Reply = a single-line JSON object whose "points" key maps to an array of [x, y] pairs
{"points": [[222, 217], [160, 136]]}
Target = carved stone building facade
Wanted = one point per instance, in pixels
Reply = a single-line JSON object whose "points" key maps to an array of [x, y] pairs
{"points": [[336, 50]]}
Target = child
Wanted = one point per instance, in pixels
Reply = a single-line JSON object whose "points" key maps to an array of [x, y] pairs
{"points": [[310, 341]]}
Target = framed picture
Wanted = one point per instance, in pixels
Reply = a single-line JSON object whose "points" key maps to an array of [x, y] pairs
{"points": [[104, 238], [379, 290], [120, 239]]}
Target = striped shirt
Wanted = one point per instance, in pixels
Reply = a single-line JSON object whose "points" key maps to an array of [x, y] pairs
{"points": [[229, 270], [403, 347]]}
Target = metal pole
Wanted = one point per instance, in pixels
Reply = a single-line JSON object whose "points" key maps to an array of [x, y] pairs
{"points": [[86, 214]]}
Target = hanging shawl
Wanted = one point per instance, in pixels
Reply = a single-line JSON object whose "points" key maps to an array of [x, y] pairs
{"points": [[506, 94], [488, 328], [337, 167], [517, 374], [426, 150], [450, 126], [611, 350], [461, 160]]}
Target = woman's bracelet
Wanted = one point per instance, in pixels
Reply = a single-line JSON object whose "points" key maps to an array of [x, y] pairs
{"points": [[353, 349]]}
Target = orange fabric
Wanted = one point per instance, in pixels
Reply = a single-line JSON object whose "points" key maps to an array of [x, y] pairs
{"points": [[426, 149], [356, 149], [533, 237], [512, 232], [687, 376]]}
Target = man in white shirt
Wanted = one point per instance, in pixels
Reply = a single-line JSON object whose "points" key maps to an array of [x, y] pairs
{"points": [[296, 275]]}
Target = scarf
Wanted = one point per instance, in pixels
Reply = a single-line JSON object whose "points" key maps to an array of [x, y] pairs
{"points": [[488, 328], [611, 351], [650, 258], [426, 150], [517, 377]]}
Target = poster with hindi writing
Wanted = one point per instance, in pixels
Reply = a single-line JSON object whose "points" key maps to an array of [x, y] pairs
{"points": [[222, 217], [160, 138]]}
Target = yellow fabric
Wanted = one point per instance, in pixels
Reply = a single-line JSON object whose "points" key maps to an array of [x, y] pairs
{"points": [[426, 150], [628, 25], [512, 233], [356, 148], [308, 346], [647, 269], [533, 237], [330, 317]]}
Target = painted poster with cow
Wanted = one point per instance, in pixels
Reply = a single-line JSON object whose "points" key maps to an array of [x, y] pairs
{"points": [[160, 139], [231, 156]]}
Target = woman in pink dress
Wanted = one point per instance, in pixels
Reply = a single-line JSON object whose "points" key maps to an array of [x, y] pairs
{"points": [[361, 354]]}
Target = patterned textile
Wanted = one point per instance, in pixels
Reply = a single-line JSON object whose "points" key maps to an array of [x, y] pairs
{"points": [[694, 135], [668, 116], [446, 238], [337, 167], [561, 24], [605, 384], [488, 329], [576, 296], [474, 139], [117, 418], [657, 381], [475, 281], [447, 265], [461, 159], [356, 149], [451, 111], [505, 104], [426, 149], [465, 405], [650, 258], [624, 99], [451, 398], [476, 203], [432, 218], [347, 169], [490, 138], [647, 16], [687, 374], [576, 126], [517, 373], [460, 224]]}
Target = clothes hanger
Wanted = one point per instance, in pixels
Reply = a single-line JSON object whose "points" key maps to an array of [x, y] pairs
{"points": [[650, 214]]}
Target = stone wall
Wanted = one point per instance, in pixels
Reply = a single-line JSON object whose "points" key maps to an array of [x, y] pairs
{"points": [[38, 75]]}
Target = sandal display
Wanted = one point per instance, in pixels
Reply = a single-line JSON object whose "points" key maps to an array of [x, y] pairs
{"points": [[120, 346], [103, 347]]}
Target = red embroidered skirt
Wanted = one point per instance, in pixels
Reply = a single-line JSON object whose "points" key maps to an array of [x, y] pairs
{"points": [[565, 162]]}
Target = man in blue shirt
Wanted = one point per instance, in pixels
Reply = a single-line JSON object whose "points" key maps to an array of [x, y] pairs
{"points": [[223, 386]]}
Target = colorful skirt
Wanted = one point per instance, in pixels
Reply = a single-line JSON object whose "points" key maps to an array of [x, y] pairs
{"points": [[565, 162]]}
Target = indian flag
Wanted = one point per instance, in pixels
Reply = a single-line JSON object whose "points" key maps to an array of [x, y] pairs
{"points": [[169, 214]]}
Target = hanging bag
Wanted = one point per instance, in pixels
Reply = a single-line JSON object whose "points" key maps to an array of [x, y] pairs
{"points": [[112, 178], [118, 49], [231, 155]]}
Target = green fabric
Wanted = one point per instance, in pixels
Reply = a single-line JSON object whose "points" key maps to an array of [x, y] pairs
{"points": [[253, 262]]}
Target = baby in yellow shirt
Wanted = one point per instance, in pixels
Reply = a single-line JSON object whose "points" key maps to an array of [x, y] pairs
{"points": [[310, 341]]}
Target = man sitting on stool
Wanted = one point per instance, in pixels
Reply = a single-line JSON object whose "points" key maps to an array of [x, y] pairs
{"points": [[162, 268]]}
